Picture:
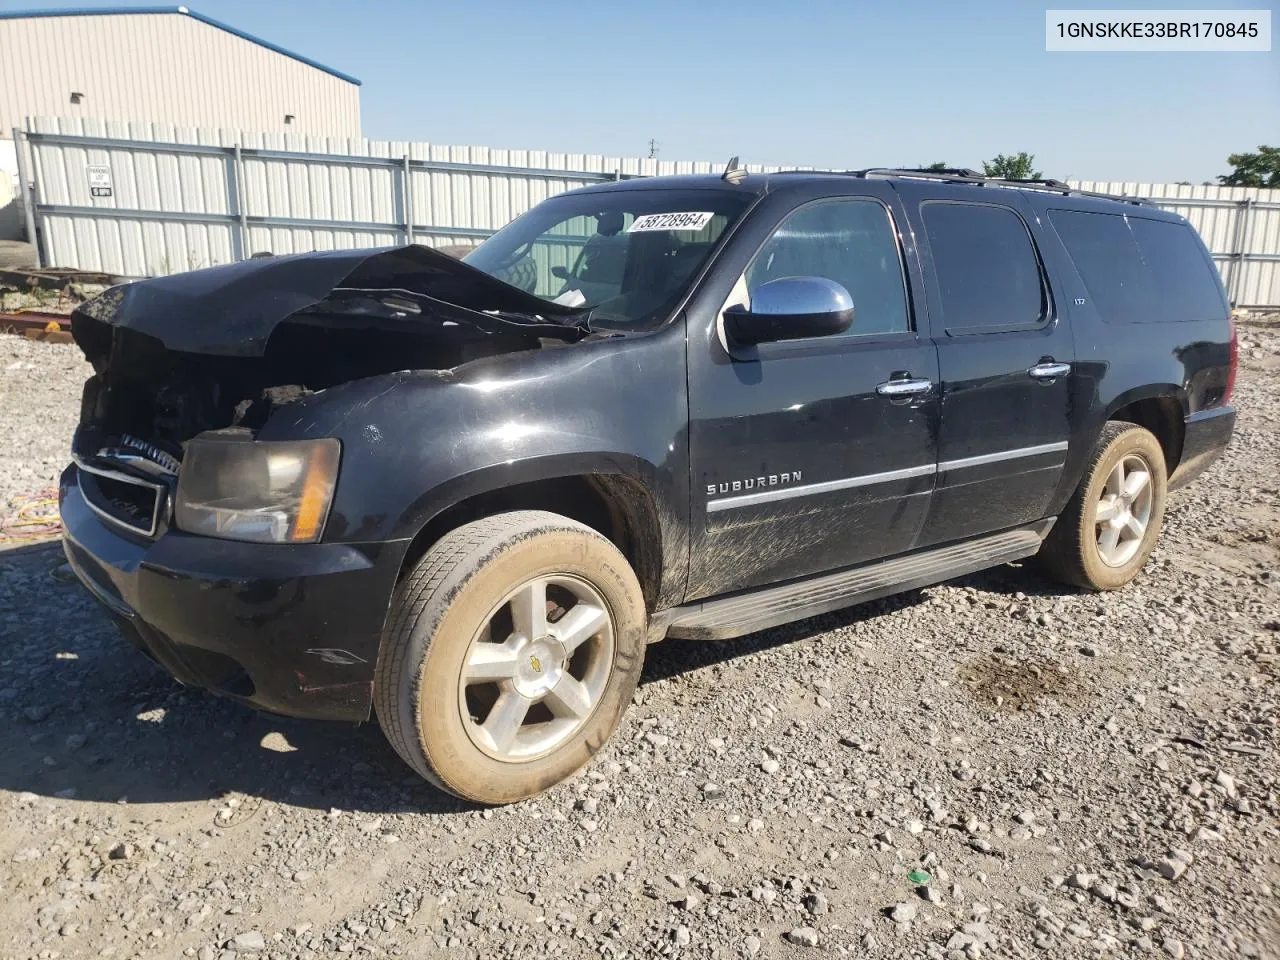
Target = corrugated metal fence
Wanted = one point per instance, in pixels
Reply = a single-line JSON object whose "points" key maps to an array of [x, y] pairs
{"points": [[140, 199]]}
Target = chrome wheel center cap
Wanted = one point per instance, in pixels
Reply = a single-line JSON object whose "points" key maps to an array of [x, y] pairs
{"points": [[539, 667]]}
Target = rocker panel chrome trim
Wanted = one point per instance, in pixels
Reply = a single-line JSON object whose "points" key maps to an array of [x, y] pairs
{"points": [[868, 479], [809, 489], [999, 455]]}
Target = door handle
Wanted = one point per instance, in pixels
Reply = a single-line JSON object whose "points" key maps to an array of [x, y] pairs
{"points": [[904, 388], [1048, 370]]}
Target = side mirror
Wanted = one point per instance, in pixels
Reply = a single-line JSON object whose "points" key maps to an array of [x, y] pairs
{"points": [[561, 273], [791, 308]]}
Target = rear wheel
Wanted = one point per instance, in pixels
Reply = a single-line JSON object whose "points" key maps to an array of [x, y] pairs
{"points": [[1110, 526], [511, 652]]}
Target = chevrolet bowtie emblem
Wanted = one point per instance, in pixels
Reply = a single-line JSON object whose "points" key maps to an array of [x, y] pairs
{"points": [[536, 664]]}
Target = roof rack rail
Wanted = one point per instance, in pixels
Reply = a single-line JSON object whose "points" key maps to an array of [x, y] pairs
{"points": [[962, 175], [949, 173]]}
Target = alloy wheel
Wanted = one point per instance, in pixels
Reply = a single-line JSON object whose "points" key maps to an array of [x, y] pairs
{"points": [[1123, 511], [536, 669]]}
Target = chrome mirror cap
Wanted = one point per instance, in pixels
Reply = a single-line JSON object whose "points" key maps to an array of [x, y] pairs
{"points": [[791, 308], [800, 296]]}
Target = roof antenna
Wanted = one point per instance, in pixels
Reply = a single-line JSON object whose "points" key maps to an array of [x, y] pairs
{"points": [[734, 172]]}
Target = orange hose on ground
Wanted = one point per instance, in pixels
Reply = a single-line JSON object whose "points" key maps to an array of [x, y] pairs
{"points": [[35, 519]]}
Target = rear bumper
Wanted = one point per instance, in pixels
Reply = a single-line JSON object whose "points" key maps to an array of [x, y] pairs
{"points": [[290, 628], [1204, 440]]}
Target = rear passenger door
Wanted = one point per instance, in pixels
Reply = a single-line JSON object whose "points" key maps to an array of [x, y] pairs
{"points": [[1004, 354]]}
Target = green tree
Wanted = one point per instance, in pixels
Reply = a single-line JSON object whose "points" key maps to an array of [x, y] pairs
{"points": [[940, 165], [1018, 167], [1261, 169]]}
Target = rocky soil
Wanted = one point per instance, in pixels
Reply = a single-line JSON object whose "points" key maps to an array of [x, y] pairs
{"points": [[995, 767], [40, 386]]}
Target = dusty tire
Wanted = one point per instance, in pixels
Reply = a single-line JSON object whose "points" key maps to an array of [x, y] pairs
{"points": [[457, 618], [1095, 543]]}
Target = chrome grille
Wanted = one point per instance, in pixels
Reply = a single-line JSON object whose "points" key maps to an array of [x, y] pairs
{"points": [[121, 498]]}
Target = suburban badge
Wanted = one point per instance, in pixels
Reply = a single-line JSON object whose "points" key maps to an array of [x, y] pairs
{"points": [[753, 483]]}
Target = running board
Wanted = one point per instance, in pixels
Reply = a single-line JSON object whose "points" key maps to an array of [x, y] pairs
{"points": [[741, 613]]}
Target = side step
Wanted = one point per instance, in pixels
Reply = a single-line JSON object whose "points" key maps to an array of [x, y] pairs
{"points": [[746, 612]]}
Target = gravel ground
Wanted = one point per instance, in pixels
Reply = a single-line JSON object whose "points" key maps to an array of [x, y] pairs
{"points": [[40, 386], [997, 767]]}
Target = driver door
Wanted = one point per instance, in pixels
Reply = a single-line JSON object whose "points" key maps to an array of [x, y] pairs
{"points": [[805, 455]]}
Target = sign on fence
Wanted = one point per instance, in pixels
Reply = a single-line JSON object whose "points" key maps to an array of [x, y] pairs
{"points": [[99, 180]]}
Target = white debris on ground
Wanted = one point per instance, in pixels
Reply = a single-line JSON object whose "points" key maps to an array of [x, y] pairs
{"points": [[996, 767]]}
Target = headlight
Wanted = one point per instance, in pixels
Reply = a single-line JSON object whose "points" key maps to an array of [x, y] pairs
{"points": [[269, 491]]}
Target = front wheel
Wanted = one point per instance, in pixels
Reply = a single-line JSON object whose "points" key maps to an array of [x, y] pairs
{"points": [[1111, 524], [511, 652]]}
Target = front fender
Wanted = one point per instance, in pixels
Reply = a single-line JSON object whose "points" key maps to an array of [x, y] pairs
{"points": [[491, 478], [416, 443]]}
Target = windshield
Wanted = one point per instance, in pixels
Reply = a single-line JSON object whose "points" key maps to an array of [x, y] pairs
{"points": [[627, 255]]}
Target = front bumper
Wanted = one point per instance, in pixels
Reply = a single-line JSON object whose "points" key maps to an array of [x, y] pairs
{"points": [[1205, 437], [290, 628]]}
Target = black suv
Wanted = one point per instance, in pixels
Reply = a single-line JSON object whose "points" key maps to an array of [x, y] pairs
{"points": [[465, 495]]}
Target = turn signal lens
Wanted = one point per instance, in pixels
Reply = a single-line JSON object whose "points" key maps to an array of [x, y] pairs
{"points": [[317, 488]]}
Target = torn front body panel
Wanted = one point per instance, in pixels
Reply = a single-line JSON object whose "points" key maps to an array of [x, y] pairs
{"points": [[433, 401], [233, 310], [221, 347]]}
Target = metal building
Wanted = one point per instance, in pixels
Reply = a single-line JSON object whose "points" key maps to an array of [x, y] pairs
{"points": [[167, 65]]}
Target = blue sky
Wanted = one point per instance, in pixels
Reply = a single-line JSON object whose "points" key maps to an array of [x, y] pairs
{"points": [[828, 84]]}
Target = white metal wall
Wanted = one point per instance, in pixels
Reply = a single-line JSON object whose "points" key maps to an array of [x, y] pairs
{"points": [[10, 208], [166, 66], [187, 205], [178, 204], [1240, 226]]}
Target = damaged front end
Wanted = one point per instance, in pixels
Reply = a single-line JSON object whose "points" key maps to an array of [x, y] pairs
{"points": [[196, 507], [220, 350]]}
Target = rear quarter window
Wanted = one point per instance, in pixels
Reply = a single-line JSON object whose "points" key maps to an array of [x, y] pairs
{"points": [[1186, 280], [1138, 270]]}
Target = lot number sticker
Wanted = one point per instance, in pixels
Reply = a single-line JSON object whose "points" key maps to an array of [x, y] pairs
{"points": [[99, 181], [670, 221]]}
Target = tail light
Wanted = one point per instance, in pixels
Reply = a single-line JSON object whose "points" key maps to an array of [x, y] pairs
{"points": [[1235, 362]]}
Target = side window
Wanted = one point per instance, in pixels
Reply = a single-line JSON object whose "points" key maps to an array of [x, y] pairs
{"points": [[851, 242], [1139, 270], [1187, 283], [1110, 264], [988, 272]]}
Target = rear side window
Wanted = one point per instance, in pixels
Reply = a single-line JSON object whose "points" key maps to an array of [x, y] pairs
{"points": [[1106, 254], [1139, 270], [1186, 283], [988, 272]]}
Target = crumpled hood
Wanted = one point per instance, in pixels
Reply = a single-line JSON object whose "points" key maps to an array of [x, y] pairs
{"points": [[231, 310]]}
